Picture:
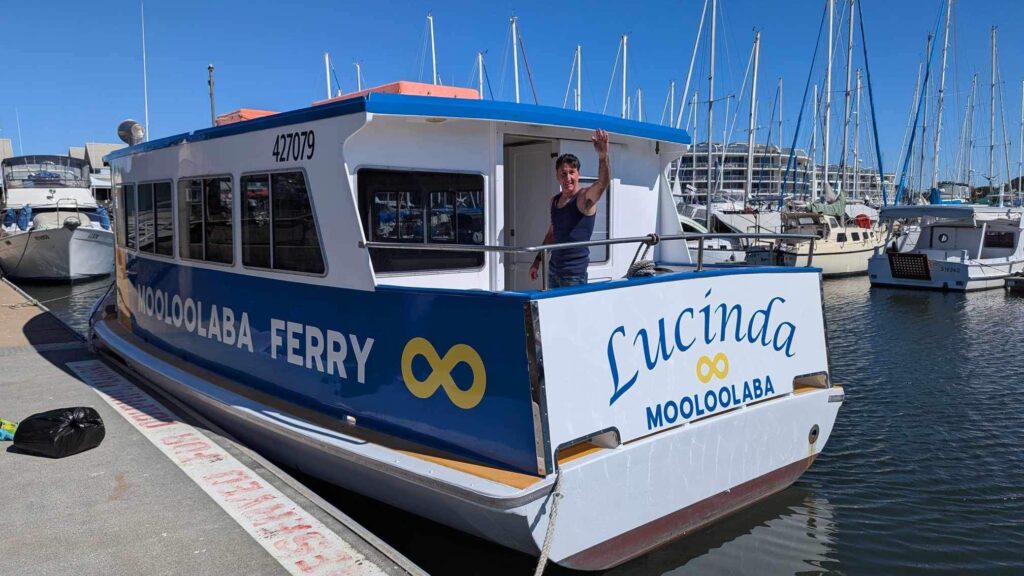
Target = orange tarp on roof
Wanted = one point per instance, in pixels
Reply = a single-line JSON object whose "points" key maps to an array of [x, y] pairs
{"points": [[413, 88], [241, 115]]}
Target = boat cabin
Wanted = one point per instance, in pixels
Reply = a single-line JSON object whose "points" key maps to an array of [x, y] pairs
{"points": [[957, 232]]}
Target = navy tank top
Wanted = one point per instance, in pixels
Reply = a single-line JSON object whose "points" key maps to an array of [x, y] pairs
{"points": [[570, 225]]}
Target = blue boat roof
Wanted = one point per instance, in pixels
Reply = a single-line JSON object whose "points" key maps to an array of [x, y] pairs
{"points": [[429, 106]]}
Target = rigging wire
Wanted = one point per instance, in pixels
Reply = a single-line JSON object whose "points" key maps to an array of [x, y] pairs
{"points": [[611, 81], [529, 75]]}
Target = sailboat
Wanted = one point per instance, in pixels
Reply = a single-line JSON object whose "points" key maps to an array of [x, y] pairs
{"points": [[844, 245]]}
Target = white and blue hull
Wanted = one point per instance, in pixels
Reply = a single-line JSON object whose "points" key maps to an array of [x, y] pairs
{"points": [[57, 254]]}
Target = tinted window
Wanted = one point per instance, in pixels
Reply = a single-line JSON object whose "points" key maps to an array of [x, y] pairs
{"points": [[296, 243], [163, 204], [855, 235], [278, 226], [129, 217], [422, 208], [145, 217], [204, 216], [218, 201], [190, 219], [998, 239], [841, 237], [255, 220]]}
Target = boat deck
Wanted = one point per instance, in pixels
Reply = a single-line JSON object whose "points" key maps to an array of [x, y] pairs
{"points": [[164, 493]]}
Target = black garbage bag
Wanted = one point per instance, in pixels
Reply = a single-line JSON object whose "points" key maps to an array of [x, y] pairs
{"points": [[59, 433]]}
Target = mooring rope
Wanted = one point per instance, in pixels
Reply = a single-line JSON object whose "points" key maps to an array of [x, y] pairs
{"points": [[545, 550]]}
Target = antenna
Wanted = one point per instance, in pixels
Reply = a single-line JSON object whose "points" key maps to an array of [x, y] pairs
{"points": [[515, 55], [359, 78], [213, 115]]}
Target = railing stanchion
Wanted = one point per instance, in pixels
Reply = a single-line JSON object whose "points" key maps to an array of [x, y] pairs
{"points": [[544, 270], [810, 253], [700, 254]]}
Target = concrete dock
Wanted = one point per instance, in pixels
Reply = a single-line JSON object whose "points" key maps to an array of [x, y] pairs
{"points": [[165, 493]]}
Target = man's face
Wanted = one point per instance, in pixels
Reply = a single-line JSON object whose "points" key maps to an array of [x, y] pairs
{"points": [[568, 178]]}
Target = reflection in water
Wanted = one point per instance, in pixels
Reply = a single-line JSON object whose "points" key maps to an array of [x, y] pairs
{"points": [[793, 532], [69, 302]]}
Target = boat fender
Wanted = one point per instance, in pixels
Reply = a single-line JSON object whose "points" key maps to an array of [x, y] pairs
{"points": [[24, 216], [104, 218], [10, 217]]}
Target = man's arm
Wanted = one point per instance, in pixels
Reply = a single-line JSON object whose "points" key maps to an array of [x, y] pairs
{"points": [[548, 239], [604, 174]]}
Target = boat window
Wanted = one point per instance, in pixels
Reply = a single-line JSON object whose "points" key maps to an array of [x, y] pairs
{"points": [[841, 237], [119, 223], [409, 207], [144, 217], [205, 219], [129, 217], [278, 227], [855, 236], [163, 204], [999, 239]]}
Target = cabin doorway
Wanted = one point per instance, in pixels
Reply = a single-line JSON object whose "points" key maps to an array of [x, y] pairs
{"points": [[529, 186]]}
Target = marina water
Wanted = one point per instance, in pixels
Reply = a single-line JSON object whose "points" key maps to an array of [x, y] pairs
{"points": [[924, 472]]}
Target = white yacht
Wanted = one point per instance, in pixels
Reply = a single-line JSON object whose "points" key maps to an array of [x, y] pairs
{"points": [[52, 227], [716, 250], [949, 247], [346, 288], [841, 250]]}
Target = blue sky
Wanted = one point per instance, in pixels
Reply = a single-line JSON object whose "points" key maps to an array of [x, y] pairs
{"points": [[74, 71]]}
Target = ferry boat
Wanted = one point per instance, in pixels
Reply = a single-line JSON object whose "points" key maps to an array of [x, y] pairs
{"points": [[52, 227], [839, 250], [347, 289], [950, 247]]}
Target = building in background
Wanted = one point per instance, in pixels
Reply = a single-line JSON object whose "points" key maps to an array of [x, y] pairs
{"points": [[770, 172]]}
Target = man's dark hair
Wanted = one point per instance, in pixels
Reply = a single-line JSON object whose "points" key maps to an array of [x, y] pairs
{"points": [[569, 159]]}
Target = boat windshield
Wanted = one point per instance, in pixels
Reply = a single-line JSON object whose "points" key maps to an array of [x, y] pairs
{"points": [[45, 172]]}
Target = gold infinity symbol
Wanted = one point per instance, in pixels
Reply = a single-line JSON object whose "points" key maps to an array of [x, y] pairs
{"points": [[441, 372], [708, 367]]}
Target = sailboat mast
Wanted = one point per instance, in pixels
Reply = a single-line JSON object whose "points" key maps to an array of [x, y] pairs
{"points": [[359, 77], [671, 103], [625, 60], [327, 72], [579, 77], [778, 102], [847, 99], [992, 120], [515, 56], [711, 107], [856, 142], [814, 150], [942, 88], [480, 72], [145, 75], [970, 145], [689, 72], [1020, 142], [924, 121], [828, 89], [749, 189], [433, 51]]}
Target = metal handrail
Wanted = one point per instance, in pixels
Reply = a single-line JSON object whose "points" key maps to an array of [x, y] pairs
{"points": [[647, 241]]}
